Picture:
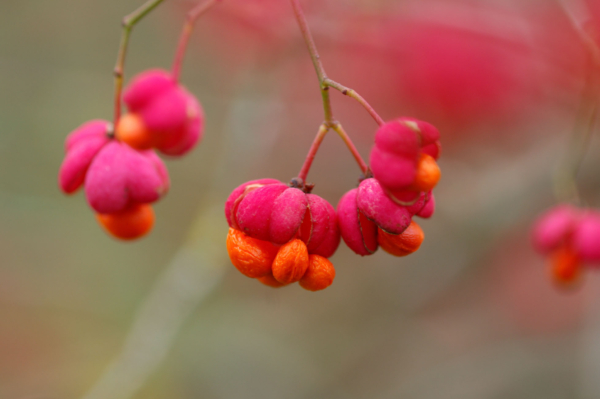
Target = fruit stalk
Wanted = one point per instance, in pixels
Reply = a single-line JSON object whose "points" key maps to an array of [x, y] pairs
{"points": [[325, 83], [128, 23], [192, 17]]}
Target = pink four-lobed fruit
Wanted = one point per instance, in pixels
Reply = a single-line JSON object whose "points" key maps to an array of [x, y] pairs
{"points": [[403, 158], [170, 117], [272, 211], [363, 211], [113, 174], [565, 226]]}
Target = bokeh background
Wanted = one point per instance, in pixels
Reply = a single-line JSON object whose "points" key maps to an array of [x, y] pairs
{"points": [[473, 314]]}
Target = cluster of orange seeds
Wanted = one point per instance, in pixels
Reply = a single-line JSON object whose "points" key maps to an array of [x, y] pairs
{"points": [[278, 266]]}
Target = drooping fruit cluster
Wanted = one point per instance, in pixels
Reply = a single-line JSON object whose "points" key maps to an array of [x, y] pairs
{"points": [[570, 237], [162, 115], [379, 212], [282, 234], [120, 172]]}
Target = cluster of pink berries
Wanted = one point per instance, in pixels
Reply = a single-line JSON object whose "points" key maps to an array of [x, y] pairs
{"points": [[118, 167], [571, 238], [281, 234], [379, 212]]}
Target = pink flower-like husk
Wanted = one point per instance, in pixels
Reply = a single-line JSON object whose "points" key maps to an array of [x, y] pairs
{"points": [[379, 208], [145, 86], [433, 150], [398, 145], [287, 214], [358, 233], [397, 138], [586, 238], [234, 197], [429, 209], [81, 147], [92, 129], [404, 197], [272, 211], [170, 113], [419, 204], [253, 214], [554, 228], [314, 232], [120, 175], [325, 233], [182, 141], [166, 114], [429, 133], [393, 171]]}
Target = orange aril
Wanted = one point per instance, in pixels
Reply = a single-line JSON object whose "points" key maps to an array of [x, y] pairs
{"points": [[565, 267], [291, 262], [319, 275], [132, 131], [270, 281], [402, 244], [428, 174], [252, 257], [133, 222]]}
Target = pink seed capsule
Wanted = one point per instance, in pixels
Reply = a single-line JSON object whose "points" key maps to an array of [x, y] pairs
{"points": [[554, 227], [586, 238], [429, 209], [376, 206], [120, 175], [272, 211], [404, 156], [239, 193], [171, 116], [359, 233], [81, 146], [324, 236]]}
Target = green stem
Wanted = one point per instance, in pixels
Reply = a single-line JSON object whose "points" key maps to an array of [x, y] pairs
{"points": [[188, 27], [128, 23]]}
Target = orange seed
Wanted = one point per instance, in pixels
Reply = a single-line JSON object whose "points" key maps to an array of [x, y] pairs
{"points": [[132, 130], [252, 257], [402, 244], [291, 262], [428, 174], [565, 267], [320, 274], [270, 281], [133, 222]]}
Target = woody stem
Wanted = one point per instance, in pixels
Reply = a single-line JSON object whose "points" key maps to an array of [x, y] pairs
{"points": [[128, 23], [188, 27], [353, 94], [325, 83]]}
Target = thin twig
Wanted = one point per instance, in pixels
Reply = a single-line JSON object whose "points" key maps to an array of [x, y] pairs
{"points": [[128, 23], [188, 27]]}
